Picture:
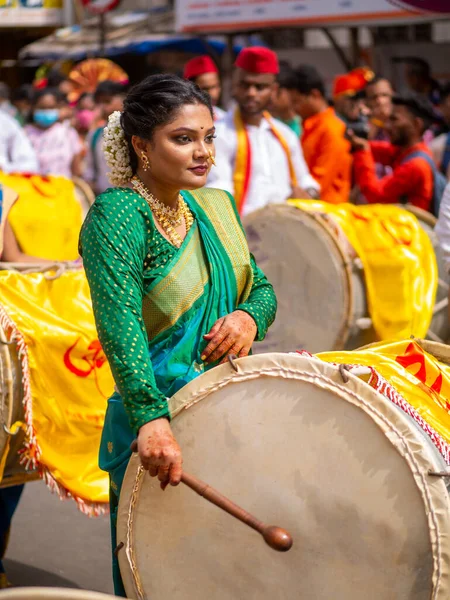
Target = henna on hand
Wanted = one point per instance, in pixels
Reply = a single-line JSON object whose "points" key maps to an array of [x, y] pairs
{"points": [[159, 452], [233, 334]]}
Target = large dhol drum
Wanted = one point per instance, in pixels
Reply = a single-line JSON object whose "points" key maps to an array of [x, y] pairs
{"points": [[302, 445], [319, 281]]}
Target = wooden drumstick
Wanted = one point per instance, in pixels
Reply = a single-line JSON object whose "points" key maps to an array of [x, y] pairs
{"points": [[275, 537]]}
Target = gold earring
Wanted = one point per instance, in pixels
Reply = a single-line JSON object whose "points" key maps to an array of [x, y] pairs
{"points": [[211, 158], [145, 162]]}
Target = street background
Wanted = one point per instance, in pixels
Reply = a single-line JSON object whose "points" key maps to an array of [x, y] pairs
{"points": [[53, 544]]}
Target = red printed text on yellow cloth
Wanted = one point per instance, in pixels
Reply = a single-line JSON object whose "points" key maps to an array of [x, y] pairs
{"points": [[88, 363], [433, 375]]}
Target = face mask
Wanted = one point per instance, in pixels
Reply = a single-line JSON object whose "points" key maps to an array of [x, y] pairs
{"points": [[85, 118], [46, 117]]}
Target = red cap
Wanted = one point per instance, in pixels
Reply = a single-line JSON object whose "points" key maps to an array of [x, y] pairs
{"points": [[258, 59], [199, 66], [353, 82]]}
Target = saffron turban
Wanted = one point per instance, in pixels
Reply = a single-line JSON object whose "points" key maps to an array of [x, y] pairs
{"points": [[353, 82], [200, 65], [258, 60]]}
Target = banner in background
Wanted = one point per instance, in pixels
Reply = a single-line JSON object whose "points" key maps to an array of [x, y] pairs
{"points": [[31, 13], [232, 15], [439, 6]]}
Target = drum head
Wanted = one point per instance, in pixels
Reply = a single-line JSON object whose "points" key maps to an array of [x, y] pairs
{"points": [[334, 463], [303, 261]]}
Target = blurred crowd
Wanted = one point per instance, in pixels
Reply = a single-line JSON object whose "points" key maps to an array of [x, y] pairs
{"points": [[358, 142]]}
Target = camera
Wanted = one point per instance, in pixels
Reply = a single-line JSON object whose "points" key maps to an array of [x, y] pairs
{"points": [[359, 128]]}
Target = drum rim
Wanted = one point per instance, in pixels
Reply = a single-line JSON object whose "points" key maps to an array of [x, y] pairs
{"points": [[6, 423], [85, 188], [436, 349], [26, 476], [407, 440], [321, 221], [51, 593], [6, 363], [421, 214]]}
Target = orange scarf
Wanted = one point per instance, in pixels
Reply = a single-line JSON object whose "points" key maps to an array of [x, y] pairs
{"points": [[243, 165]]}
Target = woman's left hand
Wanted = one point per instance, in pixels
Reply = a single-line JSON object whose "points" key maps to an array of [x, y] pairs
{"points": [[233, 334]]}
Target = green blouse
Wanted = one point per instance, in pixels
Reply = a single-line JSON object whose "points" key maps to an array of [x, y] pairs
{"points": [[123, 252]]}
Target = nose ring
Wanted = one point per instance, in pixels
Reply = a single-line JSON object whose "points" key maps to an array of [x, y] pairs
{"points": [[211, 158]]}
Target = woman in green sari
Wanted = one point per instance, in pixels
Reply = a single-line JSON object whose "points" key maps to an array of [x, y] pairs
{"points": [[173, 286]]}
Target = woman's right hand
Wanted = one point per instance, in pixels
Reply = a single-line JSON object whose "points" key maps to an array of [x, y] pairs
{"points": [[159, 452]]}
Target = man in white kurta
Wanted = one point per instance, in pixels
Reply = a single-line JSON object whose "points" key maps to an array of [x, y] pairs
{"points": [[16, 152], [270, 178]]}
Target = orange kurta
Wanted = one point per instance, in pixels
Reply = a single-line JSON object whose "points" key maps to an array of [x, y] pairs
{"points": [[327, 154]]}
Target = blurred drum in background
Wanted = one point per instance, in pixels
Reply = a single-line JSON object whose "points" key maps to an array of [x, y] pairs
{"points": [[322, 284], [315, 449], [84, 195]]}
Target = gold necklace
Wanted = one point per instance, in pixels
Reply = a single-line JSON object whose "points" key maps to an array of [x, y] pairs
{"points": [[168, 218], [174, 215]]}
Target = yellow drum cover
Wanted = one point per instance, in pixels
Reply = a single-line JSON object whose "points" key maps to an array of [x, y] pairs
{"points": [[417, 369], [64, 385]]}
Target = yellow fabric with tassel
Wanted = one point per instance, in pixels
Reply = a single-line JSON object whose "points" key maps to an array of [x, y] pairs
{"points": [[47, 217], [67, 379], [400, 268], [417, 375]]}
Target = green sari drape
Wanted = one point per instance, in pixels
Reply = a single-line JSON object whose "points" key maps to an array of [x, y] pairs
{"points": [[209, 277]]}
